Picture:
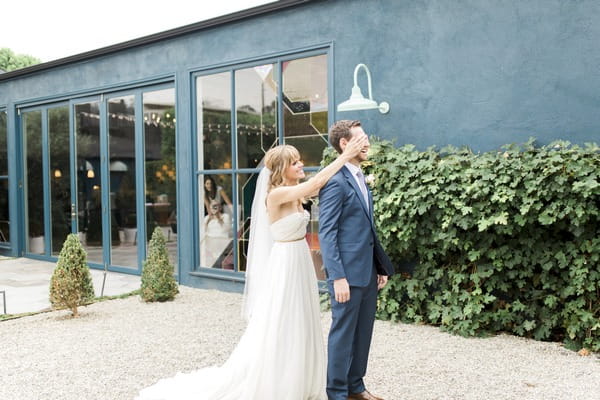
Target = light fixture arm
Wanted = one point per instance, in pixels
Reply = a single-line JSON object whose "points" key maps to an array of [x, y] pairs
{"points": [[368, 79], [357, 101]]}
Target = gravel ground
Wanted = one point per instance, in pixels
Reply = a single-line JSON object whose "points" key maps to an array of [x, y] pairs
{"points": [[117, 347]]}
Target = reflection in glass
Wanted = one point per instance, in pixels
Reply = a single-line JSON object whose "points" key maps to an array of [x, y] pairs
{"points": [[160, 163], [246, 188], [305, 102], [4, 217], [121, 148], [3, 144], [214, 121], [32, 144], [312, 234], [59, 176], [89, 189], [256, 108], [216, 236]]}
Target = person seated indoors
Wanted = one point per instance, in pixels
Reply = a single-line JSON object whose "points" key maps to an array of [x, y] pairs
{"points": [[217, 235]]}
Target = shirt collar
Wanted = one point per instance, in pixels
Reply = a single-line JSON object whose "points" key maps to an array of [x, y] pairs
{"points": [[352, 168]]}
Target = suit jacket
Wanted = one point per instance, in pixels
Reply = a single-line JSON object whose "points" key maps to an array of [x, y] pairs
{"points": [[349, 243]]}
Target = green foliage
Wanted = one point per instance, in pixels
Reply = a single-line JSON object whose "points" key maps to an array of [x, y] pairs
{"points": [[498, 241], [10, 61], [71, 283], [158, 283]]}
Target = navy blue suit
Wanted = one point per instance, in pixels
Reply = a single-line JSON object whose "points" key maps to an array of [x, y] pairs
{"points": [[350, 250]]}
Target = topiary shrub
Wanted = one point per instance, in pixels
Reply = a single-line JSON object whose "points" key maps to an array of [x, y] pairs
{"points": [[158, 283], [71, 283]]}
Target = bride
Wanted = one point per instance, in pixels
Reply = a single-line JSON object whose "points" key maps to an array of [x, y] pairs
{"points": [[281, 355]]}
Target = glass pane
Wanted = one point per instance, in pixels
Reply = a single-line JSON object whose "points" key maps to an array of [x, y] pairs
{"points": [[89, 190], [312, 235], [4, 217], [214, 121], [305, 101], [246, 189], [216, 243], [161, 187], [121, 148], [256, 108], [60, 181], [32, 138], [3, 145]]}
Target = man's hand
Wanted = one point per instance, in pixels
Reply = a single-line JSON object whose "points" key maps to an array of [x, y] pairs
{"points": [[381, 281], [341, 289]]}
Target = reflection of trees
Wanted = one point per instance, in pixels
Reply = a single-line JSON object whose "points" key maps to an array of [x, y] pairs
{"points": [[60, 184], [33, 145], [3, 144], [160, 173], [256, 133], [216, 139]]}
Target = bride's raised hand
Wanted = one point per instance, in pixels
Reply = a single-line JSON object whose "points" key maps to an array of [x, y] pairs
{"points": [[355, 145]]}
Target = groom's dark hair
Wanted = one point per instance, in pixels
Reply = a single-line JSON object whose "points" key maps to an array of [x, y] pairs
{"points": [[339, 130]]}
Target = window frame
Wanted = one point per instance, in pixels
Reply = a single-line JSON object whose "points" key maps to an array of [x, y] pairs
{"points": [[277, 60]]}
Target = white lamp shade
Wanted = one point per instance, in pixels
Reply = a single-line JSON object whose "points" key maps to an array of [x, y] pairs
{"points": [[357, 101]]}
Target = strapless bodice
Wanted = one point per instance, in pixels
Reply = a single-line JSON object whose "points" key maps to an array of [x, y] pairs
{"points": [[291, 227]]}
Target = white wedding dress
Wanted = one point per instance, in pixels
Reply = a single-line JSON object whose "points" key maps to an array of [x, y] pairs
{"points": [[281, 355]]}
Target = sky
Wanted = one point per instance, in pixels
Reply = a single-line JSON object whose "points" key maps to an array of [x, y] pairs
{"points": [[53, 29]]}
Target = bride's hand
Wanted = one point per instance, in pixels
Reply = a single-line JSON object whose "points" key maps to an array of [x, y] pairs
{"points": [[355, 146]]}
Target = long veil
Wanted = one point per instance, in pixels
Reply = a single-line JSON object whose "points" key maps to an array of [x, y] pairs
{"points": [[259, 246]]}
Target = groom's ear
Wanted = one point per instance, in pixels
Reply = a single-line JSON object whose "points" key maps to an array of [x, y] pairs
{"points": [[343, 143]]}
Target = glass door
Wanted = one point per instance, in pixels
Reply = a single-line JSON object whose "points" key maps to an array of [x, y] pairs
{"points": [[87, 197], [122, 185], [46, 170], [104, 168]]}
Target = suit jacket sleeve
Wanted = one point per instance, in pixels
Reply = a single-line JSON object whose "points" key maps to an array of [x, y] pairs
{"points": [[330, 210], [383, 264]]}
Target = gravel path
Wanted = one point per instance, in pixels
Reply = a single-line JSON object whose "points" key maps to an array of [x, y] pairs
{"points": [[118, 347]]}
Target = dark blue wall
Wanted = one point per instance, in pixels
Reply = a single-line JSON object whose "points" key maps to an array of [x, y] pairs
{"points": [[480, 73]]}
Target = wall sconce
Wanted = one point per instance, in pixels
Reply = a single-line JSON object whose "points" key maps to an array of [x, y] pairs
{"points": [[357, 101]]}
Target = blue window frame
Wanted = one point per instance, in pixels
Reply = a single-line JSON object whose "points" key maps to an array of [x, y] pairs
{"points": [[4, 194], [242, 110]]}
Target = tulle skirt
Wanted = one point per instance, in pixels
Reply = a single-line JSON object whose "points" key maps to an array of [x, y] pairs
{"points": [[280, 356]]}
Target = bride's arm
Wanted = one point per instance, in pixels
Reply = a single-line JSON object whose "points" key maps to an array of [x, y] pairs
{"points": [[284, 194]]}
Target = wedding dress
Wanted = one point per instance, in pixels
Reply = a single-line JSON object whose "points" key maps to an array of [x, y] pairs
{"points": [[281, 355]]}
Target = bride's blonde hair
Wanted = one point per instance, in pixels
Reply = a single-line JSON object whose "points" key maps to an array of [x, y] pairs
{"points": [[278, 159]]}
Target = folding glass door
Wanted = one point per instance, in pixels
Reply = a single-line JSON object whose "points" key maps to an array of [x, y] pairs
{"points": [[102, 167]]}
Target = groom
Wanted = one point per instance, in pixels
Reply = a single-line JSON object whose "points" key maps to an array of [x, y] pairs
{"points": [[357, 267]]}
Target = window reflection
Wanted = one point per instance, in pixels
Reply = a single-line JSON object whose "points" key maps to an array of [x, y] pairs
{"points": [[32, 128], [246, 188], [59, 175], [216, 225], [256, 108], [214, 121], [160, 161], [256, 104], [123, 217], [3, 144], [4, 217], [305, 103], [89, 178]]}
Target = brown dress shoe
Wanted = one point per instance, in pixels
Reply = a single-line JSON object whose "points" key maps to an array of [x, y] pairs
{"points": [[363, 396]]}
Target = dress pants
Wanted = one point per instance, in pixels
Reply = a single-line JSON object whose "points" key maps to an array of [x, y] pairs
{"points": [[350, 339]]}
